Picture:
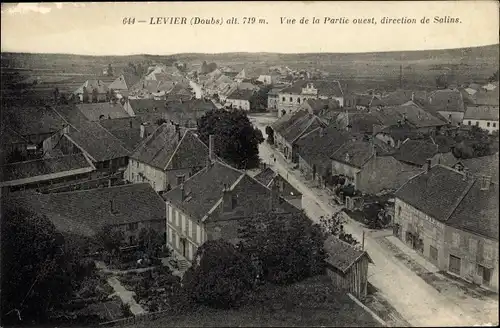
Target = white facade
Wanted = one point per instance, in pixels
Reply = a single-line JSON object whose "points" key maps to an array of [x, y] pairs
{"points": [[139, 172], [184, 235], [490, 126], [239, 103]]}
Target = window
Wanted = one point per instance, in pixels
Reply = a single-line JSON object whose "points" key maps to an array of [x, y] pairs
{"points": [[198, 234], [183, 223], [234, 201], [472, 246], [494, 125], [170, 210], [190, 228], [283, 99], [133, 226], [477, 123], [176, 218], [291, 99], [488, 124], [456, 239], [137, 164], [298, 100], [133, 176], [105, 164], [454, 264], [433, 253], [470, 122], [170, 241], [399, 210], [485, 273]]}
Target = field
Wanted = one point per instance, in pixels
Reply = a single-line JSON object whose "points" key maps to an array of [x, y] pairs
{"points": [[357, 72], [309, 303]]}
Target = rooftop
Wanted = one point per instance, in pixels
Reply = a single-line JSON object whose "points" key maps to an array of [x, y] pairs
{"points": [[342, 255], [241, 94], [124, 82], [449, 100], [86, 212], [326, 88], [127, 130], [98, 111], [357, 153], [481, 112], [416, 152], [449, 197], [31, 120]]}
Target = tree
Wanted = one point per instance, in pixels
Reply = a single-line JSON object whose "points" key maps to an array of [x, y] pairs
{"points": [[494, 77], [236, 140], [220, 276], [259, 100], [442, 81], [204, 68], [270, 135], [110, 70], [150, 241], [40, 269], [110, 240], [288, 246], [334, 226]]}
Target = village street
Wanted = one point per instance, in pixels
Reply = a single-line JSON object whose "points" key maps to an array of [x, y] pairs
{"points": [[417, 302]]}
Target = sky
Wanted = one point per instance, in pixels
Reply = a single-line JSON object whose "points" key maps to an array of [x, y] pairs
{"points": [[92, 28]]}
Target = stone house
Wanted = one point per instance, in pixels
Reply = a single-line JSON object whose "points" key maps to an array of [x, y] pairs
{"points": [[210, 205], [167, 157], [239, 99], [96, 90], [482, 116], [451, 219]]}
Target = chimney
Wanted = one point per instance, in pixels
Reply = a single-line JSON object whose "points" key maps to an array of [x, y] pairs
{"points": [[413, 96], [109, 183], [143, 128], [427, 165], [183, 194], [485, 182], [227, 205], [211, 140]]}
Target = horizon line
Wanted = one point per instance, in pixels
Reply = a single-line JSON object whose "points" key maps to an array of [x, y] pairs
{"points": [[237, 52]]}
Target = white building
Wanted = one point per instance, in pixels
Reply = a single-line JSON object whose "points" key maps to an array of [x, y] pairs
{"points": [[484, 117]]}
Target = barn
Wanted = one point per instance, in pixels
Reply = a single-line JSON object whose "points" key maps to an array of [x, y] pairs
{"points": [[347, 266]]}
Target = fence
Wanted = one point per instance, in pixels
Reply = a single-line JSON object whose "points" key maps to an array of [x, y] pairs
{"points": [[137, 319]]}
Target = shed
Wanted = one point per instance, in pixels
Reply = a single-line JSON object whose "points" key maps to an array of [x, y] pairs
{"points": [[347, 266]]}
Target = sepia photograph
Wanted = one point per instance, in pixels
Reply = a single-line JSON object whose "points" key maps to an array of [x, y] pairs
{"points": [[249, 164]]}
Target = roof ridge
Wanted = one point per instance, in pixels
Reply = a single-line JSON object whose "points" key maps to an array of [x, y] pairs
{"points": [[175, 150], [113, 136], [461, 198]]}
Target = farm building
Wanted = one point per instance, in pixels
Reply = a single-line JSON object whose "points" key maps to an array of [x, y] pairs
{"points": [[347, 266]]}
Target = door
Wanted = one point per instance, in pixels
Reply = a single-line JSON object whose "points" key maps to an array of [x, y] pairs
{"points": [[455, 264], [485, 274], [433, 253]]}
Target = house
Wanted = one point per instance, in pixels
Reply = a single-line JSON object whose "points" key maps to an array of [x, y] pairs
{"points": [[321, 106], [123, 84], [44, 171], [477, 167], [242, 75], [291, 98], [12, 145], [107, 153], [315, 149], [268, 79], [347, 266], [268, 178], [412, 114], [239, 99], [102, 111], [369, 167], [449, 103], [94, 91], [166, 158], [289, 128], [227, 89], [210, 205], [451, 219], [484, 117], [394, 135], [272, 98], [127, 208]]}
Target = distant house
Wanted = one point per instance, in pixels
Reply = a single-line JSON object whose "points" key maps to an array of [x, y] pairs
{"points": [[484, 117], [240, 99], [127, 208], [449, 103], [477, 167], [268, 178], [452, 220], [268, 79], [347, 266], [369, 167], [180, 92], [210, 205], [272, 98], [242, 75], [95, 90], [123, 84], [45, 171], [413, 115], [102, 111], [289, 128], [166, 158], [315, 149], [396, 134], [321, 106], [291, 98]]}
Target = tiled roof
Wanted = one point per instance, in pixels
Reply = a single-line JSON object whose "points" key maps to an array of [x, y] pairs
{"points": [[400, 97], [98, 143], [97, 111], [413, 114], [44, 169], [400, 132], [139, 106], [167, 149], [127, 130], [486, 165], [487, 113], [484, 97], [31, 120], [266, 176], [302, 126], [416, 152], [71, 115], [284, 122], [86, 212], [124, 82], [360, 122], [204, 189], [446, 100], [319, 105], [357, 153], [342, 255], [241, 94], [316, 147], [447, 196], [9, 136]]}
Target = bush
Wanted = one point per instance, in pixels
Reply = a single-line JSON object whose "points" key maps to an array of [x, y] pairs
{"points": [[220, 277]]}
